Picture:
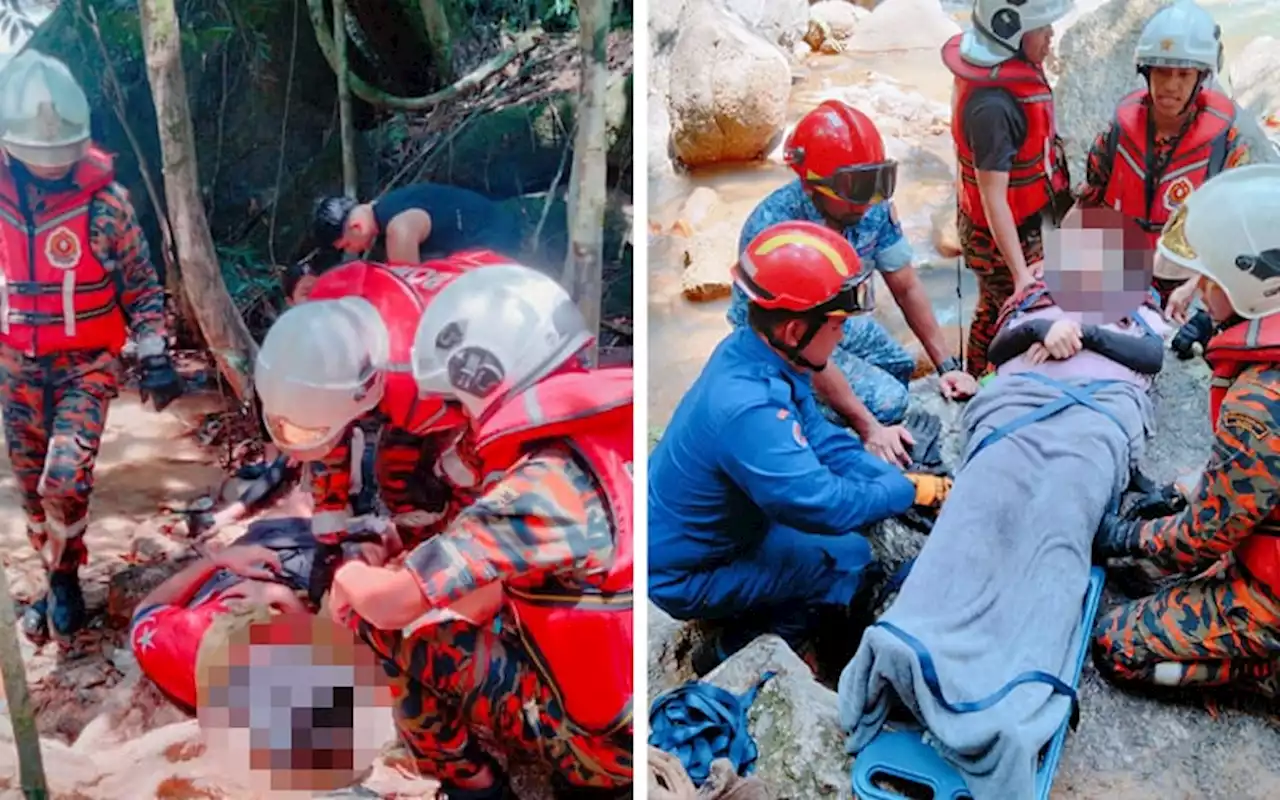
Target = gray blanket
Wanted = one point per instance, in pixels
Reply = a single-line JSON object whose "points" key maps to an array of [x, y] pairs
{"points": [[998, 587]]}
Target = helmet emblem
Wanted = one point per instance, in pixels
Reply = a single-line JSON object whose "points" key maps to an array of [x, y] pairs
{"points": [[62, 248], [1166, 45]]}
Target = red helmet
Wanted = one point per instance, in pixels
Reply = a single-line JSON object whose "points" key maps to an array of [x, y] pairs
{"points": [[803, 267], [837, 150]]}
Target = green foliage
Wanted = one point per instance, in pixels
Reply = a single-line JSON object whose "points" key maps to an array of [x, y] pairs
{"points": [[251, 284]]}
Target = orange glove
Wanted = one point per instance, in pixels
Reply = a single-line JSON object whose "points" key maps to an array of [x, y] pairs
{"points": [[931, 490]]}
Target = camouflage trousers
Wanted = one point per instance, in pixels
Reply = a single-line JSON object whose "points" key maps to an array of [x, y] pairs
{"points": [[1222, 627], [995, 282], [458, 685], [55, 409], [877, 367]]}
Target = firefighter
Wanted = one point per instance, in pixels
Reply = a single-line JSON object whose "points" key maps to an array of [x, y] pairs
{"points": [[76, 280], [542, 559], [1012, 172]]}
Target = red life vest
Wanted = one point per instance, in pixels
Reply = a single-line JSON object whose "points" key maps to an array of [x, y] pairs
{"points": [[1200, 154], [1229, 353], [400, 294], [1039, 167], [580, 642], [55, 295]]}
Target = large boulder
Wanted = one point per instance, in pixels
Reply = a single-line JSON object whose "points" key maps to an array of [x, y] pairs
{"points": [[837, 20], [1096, 70], [1126, 746], [728, 92], [903, 25], [781, 22], [707, 259]]}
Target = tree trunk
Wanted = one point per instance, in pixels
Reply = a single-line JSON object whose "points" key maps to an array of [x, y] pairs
{"points": [[347, 123], [436, 19], [589, 183], [229, 340], [21, 715]]}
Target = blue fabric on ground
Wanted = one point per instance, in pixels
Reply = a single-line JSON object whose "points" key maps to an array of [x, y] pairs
{"points": [[700, 722]]}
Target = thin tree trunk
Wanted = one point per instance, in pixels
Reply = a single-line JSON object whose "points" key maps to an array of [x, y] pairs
{"points": [[589, 183], [348, 125], [435, 17], [229, 340], [21, 715]]}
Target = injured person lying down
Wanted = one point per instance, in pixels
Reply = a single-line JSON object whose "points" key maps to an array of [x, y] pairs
{"points": [[994, 601]]}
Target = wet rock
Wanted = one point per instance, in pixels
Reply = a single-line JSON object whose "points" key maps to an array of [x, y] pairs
{"points": [[903, 25], [782, 22], [1096, 70], [840, 18], [943, 236], [695, 211], [708, 257], [728, 92], [794, 721], [671, 643]]}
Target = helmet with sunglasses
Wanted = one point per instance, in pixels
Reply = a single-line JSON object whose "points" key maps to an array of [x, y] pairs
{"points": [[1226, 231], [837, 151], [803, 270]]}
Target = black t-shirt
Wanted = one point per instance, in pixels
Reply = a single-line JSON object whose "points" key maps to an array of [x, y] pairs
{"points": [[460, 219], [995, 127]]}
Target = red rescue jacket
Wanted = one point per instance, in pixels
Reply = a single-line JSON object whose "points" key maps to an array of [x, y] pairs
{"points": [[1200, 154], [1229, 353], [580, 641], [400, 294], [55, 295], [1039, 170]]}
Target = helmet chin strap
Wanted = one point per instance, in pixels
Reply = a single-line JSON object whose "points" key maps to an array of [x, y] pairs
{"points": [[793, 352]]}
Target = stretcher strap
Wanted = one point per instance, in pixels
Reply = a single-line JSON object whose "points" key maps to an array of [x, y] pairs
{"points": [[930, 674]]}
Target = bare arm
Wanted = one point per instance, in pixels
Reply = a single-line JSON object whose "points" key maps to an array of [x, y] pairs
{"points": [[994, 188], [911, 297], [405, 234], [180, 588]]}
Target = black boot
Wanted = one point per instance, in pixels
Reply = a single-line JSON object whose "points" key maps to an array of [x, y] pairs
{"points": [[1197, 330], [35, 622], [67, 614]]}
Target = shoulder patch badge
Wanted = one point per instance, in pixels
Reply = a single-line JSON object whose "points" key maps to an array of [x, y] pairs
{"points": [[63, 248], [1178, 192], [1256, 428]]}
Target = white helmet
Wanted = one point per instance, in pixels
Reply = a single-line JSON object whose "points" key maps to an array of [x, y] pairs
{"points": [[493, 333], [320, 368], [1180, 35], [1226, 230], [44, 114], [998, 27]]}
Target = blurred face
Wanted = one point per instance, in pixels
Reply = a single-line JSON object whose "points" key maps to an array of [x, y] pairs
{"points": [[1215, 300], [1037, 44], [1171, 89], [275, 596], [49, 173], [359, 232]]}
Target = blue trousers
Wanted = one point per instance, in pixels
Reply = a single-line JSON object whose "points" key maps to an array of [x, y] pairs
{"points": [[774, 588]]}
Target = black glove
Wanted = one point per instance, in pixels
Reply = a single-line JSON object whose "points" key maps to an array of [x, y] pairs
{"points": [[926, 432], [1117, 537], [330, 556], [159, 381], [1162, 501]]}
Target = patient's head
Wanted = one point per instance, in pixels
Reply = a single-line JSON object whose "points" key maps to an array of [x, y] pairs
{"points": [[1097, 265]]}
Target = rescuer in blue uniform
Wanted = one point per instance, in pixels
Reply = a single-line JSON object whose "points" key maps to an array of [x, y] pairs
{"points": [[754, 496]]}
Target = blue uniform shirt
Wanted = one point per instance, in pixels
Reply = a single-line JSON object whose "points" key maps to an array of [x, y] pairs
{"points": [[747, 448]]}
